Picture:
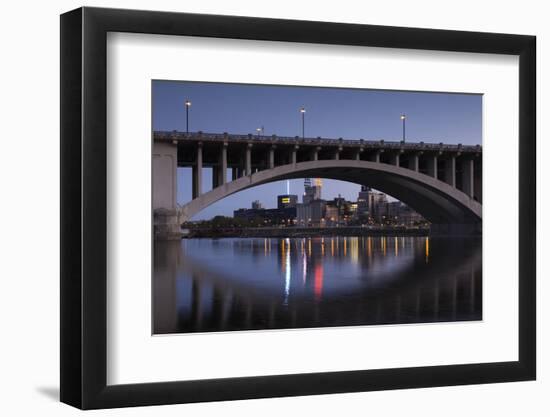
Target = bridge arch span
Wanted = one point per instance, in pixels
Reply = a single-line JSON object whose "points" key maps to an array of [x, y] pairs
{"points": [[437, 201]]}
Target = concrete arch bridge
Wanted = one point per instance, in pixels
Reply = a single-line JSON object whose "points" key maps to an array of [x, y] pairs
{"points": [[441, 182]]}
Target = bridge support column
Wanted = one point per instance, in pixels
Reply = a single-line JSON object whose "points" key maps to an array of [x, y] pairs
{"points": [[165, 213], [197, 173], [394, 159], [272, 157], [375, 157], [413, 162], [450, 171], [315, 154], [432, 166], [293, 155], [222, 173], [468, 177], [248, 162], [337, 154]]}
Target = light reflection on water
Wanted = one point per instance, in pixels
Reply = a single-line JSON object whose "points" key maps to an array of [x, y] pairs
{"points": [[203, 285]]}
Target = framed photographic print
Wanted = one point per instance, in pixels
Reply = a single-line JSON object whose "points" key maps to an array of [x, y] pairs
{"points": [[257, 207]]}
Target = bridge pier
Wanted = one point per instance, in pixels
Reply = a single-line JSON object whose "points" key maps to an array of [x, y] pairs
{"points": [[197, 173], [375, 157], [414, 162], [165, 214], [248, 162], [222, 172], [394, 159], [315, 153], [293, 155], [432, 165], [468, 177], [272, 157], [450, 171]]}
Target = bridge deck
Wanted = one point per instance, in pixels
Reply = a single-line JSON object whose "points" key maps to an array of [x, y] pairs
{"points": [[318, 141]]}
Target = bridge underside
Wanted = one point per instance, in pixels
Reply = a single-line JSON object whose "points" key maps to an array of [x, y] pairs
{"points": [[438, 202]]}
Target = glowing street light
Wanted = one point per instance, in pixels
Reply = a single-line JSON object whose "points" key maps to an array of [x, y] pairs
{"points": [[303, 112], [187, 105], [403, 118]]}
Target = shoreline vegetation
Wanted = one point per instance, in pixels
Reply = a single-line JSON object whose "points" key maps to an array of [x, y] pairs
{"points": [[230, 227]]}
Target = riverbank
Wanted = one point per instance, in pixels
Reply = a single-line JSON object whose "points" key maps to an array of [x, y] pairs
{"points": [[283, 232]]}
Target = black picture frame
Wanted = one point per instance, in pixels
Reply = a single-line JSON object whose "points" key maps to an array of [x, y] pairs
{"points": [[84, 207]]}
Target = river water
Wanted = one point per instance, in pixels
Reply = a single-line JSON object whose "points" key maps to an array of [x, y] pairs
{"points": [[206, 285]]}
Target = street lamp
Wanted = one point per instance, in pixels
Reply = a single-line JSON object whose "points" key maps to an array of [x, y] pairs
{"points": [[187, 105], [403, 118], [303, 111], [258, 129]]}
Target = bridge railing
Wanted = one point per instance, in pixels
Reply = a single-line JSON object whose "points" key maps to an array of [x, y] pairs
{"points": [[319, 141]]}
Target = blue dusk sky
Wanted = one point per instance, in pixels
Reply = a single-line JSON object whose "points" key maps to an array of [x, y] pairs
{"points": [[330, 113]]}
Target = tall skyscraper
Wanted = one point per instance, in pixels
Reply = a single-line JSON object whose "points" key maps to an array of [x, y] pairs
{"points": [[363, 201], [312, 192]]}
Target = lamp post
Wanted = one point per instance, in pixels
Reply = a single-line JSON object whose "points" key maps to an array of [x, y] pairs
{"points": [[258, 129], [303, 111], [187, 105], [403, 118]]}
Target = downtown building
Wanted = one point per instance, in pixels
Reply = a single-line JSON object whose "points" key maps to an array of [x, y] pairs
{"points": [[373, 207], [311, 212], [283, 215]]}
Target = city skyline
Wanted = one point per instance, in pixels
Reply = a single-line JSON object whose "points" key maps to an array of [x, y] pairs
{"points": [[370, 207], [330, 112]]}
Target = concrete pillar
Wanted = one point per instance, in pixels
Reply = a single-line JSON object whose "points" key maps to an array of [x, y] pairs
{"points": [[337, 154], [223, 165], [165, 164], [293, 155], [376, 156], [315, 154], [394, 159], [414, 162], [272, 157], [450, 171], [432, 165], [197, 173], [248, 162], [358, 154], [165, 211], [468, 177]]}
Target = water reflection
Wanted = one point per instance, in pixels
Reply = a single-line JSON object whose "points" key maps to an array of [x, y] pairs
{"points": [[203, 285]]}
